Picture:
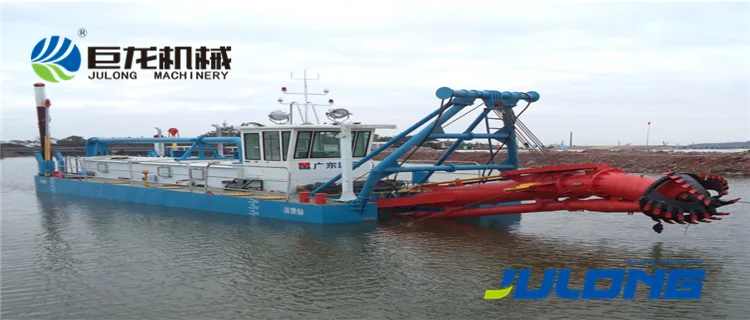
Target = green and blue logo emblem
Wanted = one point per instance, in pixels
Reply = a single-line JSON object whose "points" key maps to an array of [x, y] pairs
{"points": [[54, 64]]}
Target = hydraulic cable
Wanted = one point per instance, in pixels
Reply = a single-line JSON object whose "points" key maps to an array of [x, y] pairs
{"points": [[537, 141], [524, 133], [499, 103], [461, 116], [538, 156], [542, 153]]}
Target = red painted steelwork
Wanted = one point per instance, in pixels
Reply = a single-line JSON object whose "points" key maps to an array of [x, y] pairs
{"points": [[580, 181], [674, 198], [548, 205]]}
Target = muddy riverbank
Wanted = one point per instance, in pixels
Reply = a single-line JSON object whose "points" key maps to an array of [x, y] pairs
{"points": [[635, 161]]}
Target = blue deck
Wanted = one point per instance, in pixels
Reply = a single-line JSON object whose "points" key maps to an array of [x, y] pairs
{"points": [[276, 209]]}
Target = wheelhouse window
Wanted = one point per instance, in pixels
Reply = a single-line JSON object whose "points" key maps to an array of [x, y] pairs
{"points": [[271, 146], [302, 147], [252, 146], [361, 144], [285, 135], [326, 145]]}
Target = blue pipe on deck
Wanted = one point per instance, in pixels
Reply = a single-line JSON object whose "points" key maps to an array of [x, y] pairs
{"points": [[98, 146], [209, 140]]}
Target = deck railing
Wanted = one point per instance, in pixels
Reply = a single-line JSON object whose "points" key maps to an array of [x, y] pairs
{"points": [[74, 166]]}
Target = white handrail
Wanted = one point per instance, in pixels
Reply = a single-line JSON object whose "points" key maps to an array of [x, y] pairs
{"points": [[190, 178]]}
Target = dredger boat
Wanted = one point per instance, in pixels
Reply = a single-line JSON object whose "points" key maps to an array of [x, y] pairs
{"points": [[325, 173]]}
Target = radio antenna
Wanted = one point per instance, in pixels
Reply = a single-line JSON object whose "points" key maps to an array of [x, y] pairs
{"points": [[307, 104]]}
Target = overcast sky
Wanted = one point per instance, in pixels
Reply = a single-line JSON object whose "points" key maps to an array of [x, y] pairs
{"points": [[602, 70]]}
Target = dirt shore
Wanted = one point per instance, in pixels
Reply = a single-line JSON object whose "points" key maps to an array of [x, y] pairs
{"points": [[634, 161]]}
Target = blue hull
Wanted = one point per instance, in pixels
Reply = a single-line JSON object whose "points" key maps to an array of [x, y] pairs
{"points": [[293, 211]]}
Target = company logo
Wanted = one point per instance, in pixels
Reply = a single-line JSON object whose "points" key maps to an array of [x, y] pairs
{"points": [[680, 284], [55, 61], [165, 63], [303, 165]]}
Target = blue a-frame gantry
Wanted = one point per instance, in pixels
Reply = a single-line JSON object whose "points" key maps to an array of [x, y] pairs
{"points": [[499, 101]]}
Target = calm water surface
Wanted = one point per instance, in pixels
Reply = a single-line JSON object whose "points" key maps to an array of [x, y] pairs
{"points": [[74, 258]]}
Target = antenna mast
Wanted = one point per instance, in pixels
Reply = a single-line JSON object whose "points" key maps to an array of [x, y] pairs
{"points": [[308, 104]]}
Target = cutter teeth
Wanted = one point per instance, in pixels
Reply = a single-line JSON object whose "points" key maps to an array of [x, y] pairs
{"points": [[684, 209]]}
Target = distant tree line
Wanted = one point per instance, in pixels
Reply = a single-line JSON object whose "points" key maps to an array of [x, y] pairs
{"points": [[69, 141], [72, 141], [226, 131]]}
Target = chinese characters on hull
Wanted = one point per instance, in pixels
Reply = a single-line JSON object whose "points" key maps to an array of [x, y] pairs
{"points": [[166, 63], [294, 211], [318, 165]]}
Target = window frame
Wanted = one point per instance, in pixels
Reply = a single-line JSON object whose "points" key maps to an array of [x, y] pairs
{"points": [[309, 144], [247, 149], [356, 143], [285, 146], [269, 151], [312, 145]]}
